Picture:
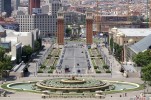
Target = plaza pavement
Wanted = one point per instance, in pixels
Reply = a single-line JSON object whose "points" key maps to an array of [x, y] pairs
{"points": [[75, 59]]}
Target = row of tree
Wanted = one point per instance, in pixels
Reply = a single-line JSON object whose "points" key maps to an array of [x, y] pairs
{"points": [[143, 59], [117, 49], [27, 50]]}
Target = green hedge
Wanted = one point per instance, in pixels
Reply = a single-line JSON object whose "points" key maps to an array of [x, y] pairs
{"points": [[52, 67], [95, 67], [48, 57], [105, 66], [98, 71], [40, 71], [50, 71], [43, 67], [108, 71], [98, 55]]}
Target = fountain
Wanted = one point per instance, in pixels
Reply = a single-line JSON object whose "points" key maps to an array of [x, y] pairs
{"points": [[73, 85]]}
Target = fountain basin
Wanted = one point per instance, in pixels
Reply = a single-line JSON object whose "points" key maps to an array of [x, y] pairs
{"points": [[36, 86]]}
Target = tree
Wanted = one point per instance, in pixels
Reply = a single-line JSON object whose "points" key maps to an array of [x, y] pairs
{"points": [[142, 58], [26, 53], [5, 62], [111, 44], [40, 42], [68, 32], [36, 46], [2, 52], [118, 51], [146, 73]]}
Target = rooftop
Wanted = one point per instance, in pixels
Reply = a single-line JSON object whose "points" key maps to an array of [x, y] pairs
{"points": [[142, 45], [13, 33], [135, 31]]}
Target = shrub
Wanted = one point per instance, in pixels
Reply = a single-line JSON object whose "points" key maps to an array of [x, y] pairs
{"points": [[98, 71], [95, 67], [56, 56], [50, 71], [108, 71], [98, 55], [52, 67], [48, 57], [40, 71], [105, 66], [43, 66]]}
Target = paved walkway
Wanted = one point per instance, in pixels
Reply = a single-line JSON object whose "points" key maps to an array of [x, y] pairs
{"points": [[39, 59], [111, 61]]}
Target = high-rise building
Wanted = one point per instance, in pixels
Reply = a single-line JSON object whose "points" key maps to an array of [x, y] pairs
{"points": [[7, 7], [33, 4], [15, 4], [46, 23], [1, 6]]}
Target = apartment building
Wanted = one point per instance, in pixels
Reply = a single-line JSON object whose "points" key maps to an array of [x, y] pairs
{"points": [[46, 23]]}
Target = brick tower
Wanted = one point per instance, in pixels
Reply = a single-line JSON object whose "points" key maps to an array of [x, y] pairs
{"points": [[89, 30], [60, 28], [33, 4]]}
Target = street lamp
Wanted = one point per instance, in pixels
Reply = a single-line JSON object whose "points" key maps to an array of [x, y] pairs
{"points": [[144, 87], [111, 69], [113, 59]]}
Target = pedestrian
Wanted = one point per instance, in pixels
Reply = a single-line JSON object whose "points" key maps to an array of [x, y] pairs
{"points": [[125, 94]]}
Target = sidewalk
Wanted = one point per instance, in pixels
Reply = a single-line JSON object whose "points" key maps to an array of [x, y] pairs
{"points": [[111, 61], [39, 60]]}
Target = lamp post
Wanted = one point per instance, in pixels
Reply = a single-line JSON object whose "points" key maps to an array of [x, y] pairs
{"points": [[36, 69], [113, 58], [144, 87], [111, 69]]}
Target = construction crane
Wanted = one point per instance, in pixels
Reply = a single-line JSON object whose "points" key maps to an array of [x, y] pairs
{"points": [[97, 17], [128, 10], [149, 4], [128, 7]]}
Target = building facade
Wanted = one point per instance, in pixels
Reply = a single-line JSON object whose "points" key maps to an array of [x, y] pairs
{"points": [[43, 22], [1, 6], [72, 17], [7, 7], [127, 36], [46, 23]]}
